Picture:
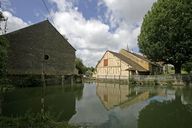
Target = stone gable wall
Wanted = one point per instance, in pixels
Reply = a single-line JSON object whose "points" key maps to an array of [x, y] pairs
{"points": [[28, 47]]}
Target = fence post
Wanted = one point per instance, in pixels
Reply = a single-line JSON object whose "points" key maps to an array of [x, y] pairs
{"points": [[62, 80]]}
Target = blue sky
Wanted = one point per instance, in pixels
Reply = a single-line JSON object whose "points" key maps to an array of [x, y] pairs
{"points": [[28, 9], [92, 26], [33, 11]]}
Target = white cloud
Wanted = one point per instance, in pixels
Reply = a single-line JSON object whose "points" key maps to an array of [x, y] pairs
{"points": [[131, 11], [5, 5], [88, 37], [13, 22], [92, 38]]}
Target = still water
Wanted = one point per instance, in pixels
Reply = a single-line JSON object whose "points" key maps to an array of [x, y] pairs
{"points": [[105, 105]]}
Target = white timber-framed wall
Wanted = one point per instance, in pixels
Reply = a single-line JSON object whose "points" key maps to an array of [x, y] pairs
{"points": [[111, 67]]}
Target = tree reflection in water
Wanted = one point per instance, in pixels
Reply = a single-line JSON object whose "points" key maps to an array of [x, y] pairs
{"points": [[59, 102], [166, 114]]}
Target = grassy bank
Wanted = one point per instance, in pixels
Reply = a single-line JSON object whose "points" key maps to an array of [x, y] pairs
{"points": [[32, 121]]}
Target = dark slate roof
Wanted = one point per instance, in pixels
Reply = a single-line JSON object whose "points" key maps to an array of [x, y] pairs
{"points": [[134, 65], [39, 25]]}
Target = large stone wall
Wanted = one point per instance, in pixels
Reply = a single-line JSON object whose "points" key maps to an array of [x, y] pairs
{"points": [[29, 45]]}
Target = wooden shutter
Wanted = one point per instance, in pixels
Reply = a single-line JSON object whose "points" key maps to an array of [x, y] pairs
{"points": [[105, 62]]}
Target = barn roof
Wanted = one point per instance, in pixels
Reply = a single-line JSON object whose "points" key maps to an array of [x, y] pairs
{"points": [[142, 57], [41, 25], [134, 65]]}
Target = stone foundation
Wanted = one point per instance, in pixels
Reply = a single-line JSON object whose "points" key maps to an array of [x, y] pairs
{"points": [[36, 80]]}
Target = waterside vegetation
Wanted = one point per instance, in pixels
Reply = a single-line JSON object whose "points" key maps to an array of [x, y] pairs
{"points": [[166, 33], [32, 121]]}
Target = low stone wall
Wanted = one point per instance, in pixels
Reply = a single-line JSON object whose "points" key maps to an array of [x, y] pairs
{"points": [[112, 77], [144, 79], [120, 81], [163, 79], [36, 80]]}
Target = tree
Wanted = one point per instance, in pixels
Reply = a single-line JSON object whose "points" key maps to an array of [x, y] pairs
{"points": [[187, 67], [80, 66], [89, 71], [3, 57], [166, 32]]}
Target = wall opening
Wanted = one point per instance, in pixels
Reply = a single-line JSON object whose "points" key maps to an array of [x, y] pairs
{"points": [[105, 62]]}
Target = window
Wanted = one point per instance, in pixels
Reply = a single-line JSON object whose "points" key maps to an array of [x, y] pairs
{"points": [[46, 57], [105, 62], [105, 98]]}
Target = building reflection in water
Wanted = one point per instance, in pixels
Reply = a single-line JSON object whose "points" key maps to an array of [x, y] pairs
{"points": [[112, 95], [166, 114], [59, 101], [146, 107], [105, 105]]}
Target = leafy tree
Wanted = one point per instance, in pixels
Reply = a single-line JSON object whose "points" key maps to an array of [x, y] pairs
{"points": [[91, 69], [166, 32], [3, 57], [187, 67], [80, 66]]}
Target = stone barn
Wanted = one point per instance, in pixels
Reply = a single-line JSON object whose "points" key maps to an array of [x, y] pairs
{"points": [[38, 49]]}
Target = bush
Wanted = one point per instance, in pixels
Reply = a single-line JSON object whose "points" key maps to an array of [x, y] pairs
{"points": [[132, 82], [3, 58]]}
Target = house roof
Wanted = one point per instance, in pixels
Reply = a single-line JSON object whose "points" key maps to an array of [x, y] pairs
{"points": [[133, 64], [142, 57], [137, 55], [40, 25]]}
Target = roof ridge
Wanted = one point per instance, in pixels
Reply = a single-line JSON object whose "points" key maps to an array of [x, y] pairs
{"points": [[128, 61], [37, 25], [138, 55], [133, 52], [28, 27]]}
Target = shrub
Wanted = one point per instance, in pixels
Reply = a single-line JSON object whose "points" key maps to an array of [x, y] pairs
{"points": [[3, 59], [132, 82]]}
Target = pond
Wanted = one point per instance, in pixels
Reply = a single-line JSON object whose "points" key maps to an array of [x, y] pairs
{"points": [[104, 105]]}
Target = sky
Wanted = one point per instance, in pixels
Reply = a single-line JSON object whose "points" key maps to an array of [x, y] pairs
{"points": [[91, 26]]}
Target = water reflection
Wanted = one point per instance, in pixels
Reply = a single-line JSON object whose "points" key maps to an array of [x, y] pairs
{"points": [[59, 101], [123, 102], [187, 96], [166, 114], [113, 95], [105, 105], [89, 110], [112, 105], [1, 100]]}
